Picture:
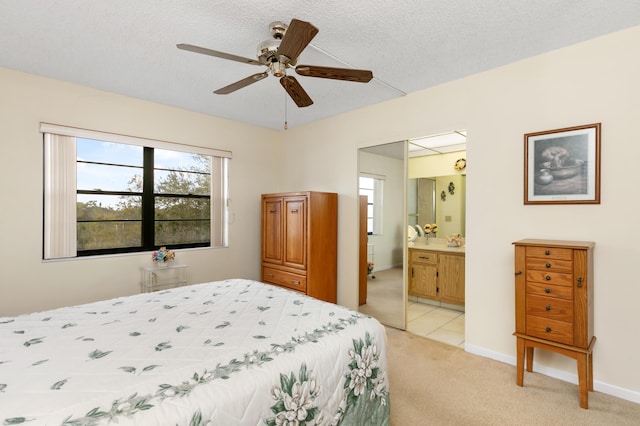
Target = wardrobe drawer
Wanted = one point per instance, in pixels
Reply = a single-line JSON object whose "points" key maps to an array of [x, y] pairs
{"points": [[544, 289], [550, 265], [285, 279], [550, 253], [550, 307], [549, 277], [548, 329]]}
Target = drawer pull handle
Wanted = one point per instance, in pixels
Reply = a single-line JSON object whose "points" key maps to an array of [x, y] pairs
{"points": [[296, 282], [424, 257], [548, 265], [547, 290], [580, 279], [548, 278], [548, 329], [548, 307], [294, 210], [547, 252], [518, 272]]}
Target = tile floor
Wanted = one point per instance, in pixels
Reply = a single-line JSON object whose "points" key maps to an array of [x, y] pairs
{"points": [[437, 323]]}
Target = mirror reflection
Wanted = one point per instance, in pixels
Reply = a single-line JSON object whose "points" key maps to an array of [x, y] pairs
{"points": [[436, 193], [407, 185], [439, 200], [382, 179]]}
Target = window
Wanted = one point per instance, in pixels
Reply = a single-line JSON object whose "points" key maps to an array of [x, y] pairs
{"points": [[371, 186], [108, 194]]}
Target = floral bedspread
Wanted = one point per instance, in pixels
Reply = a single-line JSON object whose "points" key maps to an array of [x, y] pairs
{"points": [[234, 352]]}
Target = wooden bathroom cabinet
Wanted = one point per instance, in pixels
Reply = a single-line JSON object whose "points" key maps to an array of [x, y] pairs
{"points": [[436, 275]]}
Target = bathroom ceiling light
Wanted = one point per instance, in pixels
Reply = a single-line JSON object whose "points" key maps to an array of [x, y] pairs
{"points": [[438, 144]]}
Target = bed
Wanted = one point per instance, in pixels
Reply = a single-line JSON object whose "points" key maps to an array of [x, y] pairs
{"points": [[233, 352]]}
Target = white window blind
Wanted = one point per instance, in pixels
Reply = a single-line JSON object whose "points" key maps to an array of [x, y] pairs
{"points": [[59, 196]]}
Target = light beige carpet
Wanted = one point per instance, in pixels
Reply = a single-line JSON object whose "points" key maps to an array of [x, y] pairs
{"points": [[384, 297], [432, 383]]}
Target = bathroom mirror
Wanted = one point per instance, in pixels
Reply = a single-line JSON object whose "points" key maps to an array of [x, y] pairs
{"points": [[440, 200], [421, 201], [382, 181], [437, 182]]}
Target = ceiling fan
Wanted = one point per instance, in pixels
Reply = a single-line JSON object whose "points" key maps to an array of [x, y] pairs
{"points": [[280, 54]]}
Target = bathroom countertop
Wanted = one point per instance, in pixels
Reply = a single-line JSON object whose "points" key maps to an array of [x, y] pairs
{"points": [[436, 247]]}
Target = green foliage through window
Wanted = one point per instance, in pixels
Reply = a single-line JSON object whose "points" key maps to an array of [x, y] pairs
{"points": [[133, 198]]}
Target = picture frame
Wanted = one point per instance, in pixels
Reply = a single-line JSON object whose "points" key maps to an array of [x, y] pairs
{"points": [[562, 166]]}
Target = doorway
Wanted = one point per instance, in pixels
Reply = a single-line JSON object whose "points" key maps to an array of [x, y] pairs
{"points": [[436, 199]]}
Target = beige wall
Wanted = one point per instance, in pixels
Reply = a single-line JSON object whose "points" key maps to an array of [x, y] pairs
{"points": [[435, 165], [596, 81], [590, 82], [452, 207], [29, 284]]}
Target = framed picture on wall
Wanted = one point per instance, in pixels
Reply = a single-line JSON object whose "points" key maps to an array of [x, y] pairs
{"points": [[562, 166]]}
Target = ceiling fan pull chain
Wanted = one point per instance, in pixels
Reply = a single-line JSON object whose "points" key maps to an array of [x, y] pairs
{"points": [[285, 111]]}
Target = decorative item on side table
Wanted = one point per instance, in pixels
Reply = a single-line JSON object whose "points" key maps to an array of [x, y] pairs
{"points": [[162, 257]]}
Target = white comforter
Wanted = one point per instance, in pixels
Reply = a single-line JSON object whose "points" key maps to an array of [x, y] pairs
{"points": [[233, 352]]}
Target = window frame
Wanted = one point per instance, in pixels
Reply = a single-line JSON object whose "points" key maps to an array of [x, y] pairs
{"points": [[376, 204], [54, 249]]}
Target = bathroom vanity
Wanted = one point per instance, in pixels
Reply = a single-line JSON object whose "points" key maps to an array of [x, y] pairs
{"points": [[436, 272]]}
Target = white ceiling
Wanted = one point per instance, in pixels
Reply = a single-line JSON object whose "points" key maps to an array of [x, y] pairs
{"points": [[129, 46]]}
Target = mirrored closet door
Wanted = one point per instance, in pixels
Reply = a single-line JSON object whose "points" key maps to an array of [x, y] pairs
{"points": [[383, 232]]}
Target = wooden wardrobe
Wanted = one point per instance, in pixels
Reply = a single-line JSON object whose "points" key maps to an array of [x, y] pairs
{"points": [[300, 242]]}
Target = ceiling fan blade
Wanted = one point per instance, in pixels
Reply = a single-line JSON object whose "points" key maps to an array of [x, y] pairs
{"points": [[241, 83], [348, 74], [298, 36], [205, 51], [295, 90]]}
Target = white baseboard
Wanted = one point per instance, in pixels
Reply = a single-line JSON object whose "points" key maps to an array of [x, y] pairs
{"points": [[605, 388]]}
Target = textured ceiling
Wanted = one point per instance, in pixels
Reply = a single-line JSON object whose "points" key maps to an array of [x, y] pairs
{"points": [[129, 47]]}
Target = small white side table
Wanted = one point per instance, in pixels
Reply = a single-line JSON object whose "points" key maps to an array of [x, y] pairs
{"points": [[156, 278]]}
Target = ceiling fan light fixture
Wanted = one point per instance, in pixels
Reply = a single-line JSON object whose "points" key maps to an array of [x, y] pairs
{"points": [[278, 69]]}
